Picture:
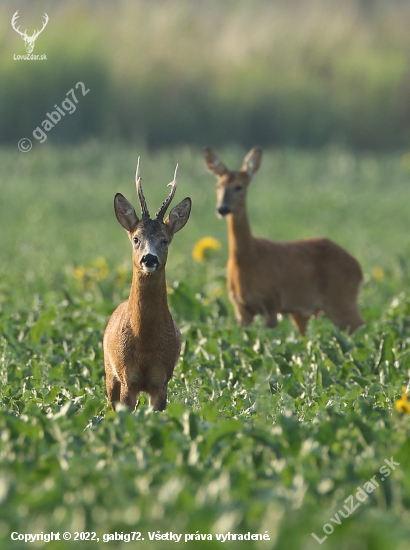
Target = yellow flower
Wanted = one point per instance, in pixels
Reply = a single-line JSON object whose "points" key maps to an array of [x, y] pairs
{"points": [[378, 273], [79, 273], [402, 405], [199, 252], [122, 275], [96, 271], [101, 270]]}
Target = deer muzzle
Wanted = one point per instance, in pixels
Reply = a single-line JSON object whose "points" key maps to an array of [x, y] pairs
{"points": [[149, 263], [223, 210]]}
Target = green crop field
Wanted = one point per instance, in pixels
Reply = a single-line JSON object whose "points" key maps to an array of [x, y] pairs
{"points": [[266, 432]]}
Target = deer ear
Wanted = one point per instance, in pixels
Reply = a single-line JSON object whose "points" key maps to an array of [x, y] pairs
{"points": [[179, 216], [214, 163], [252, 161], [125, 213]]}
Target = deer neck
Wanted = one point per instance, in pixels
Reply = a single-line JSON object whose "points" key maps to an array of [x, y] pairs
{"points": [[240, 240], [148, 305]]}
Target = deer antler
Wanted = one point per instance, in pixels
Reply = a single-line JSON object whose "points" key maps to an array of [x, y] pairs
{"points": [[36, 33], [161, 212], [13, 21], [143, 203]]}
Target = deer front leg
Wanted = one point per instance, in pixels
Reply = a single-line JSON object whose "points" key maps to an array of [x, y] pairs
{"points": [[242, 314], [301, 321], [128, 396], [244, 317], [271, 320], [113, 386], [158, 399]]}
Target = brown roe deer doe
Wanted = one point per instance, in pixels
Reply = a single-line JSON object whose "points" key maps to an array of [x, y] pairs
{"points": [[300, 278], [142, 341]]}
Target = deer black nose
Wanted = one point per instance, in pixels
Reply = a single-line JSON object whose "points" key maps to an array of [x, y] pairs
{"points": [[223, 210], [149, 260]]}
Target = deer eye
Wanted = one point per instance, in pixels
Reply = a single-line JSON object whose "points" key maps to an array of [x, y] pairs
{"points": [[238, 188], [136, 240], [164, 242]]}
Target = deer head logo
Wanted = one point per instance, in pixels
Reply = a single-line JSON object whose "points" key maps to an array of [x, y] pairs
{"points": [[28, 40]]}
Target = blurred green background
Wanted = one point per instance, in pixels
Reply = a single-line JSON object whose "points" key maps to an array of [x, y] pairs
{"points": [[276, 73], [265, 429]]}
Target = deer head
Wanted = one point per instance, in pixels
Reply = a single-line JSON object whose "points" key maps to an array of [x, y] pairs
{"points": [[150, 237], [231, 185], [28, 40]]}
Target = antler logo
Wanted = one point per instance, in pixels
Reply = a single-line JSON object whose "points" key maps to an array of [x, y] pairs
{"points": [[28, 40]]}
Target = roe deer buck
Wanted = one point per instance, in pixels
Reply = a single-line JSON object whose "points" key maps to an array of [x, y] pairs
{"points": [[142, 341], [300, 278]]}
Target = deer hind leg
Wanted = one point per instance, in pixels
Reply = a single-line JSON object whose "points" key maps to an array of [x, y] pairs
{"points": [[128, 395], [300, 320], [346, 318], [158, 399]]}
